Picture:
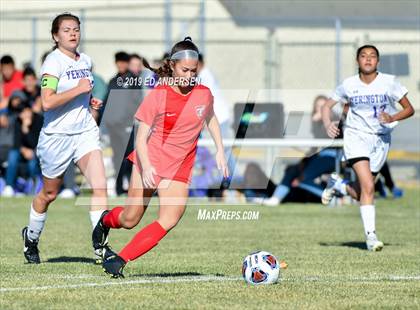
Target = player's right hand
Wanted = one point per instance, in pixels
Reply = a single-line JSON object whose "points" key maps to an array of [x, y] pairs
{"points": [[84, 86], [148, 177], [332, 130]]}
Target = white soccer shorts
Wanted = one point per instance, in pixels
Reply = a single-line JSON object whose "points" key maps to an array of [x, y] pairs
{"points": [[56, 151], [360, 144]]}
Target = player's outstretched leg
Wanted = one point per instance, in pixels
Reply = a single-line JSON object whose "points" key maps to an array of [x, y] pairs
{"points": [[145, 240], [172, 199]]}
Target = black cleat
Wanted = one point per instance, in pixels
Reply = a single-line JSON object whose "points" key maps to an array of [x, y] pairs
{"points": [[114, 266], [30, 248], [106, 252], [100, 237]]}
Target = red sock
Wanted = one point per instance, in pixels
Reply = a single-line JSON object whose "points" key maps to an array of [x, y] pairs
{"points": [[111, 219], [145, 240]]}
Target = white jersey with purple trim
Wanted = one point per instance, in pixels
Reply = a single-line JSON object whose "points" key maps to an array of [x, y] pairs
{"points": [[74, 116], [367, 101]]}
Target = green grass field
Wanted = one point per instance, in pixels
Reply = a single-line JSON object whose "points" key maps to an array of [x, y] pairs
{"points": [[197, 266]]}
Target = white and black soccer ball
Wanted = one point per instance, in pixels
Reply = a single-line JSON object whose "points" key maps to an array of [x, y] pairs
{"points": [[261, 268]]}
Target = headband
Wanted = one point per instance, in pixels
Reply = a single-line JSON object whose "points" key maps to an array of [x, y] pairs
{"points": [[184, 54]]}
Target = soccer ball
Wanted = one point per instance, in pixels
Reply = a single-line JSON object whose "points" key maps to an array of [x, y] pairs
{"points": [[261, 268]]}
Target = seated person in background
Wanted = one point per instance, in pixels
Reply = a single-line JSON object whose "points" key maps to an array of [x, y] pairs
{"points": [[256, 183], [6, 143], [206, 174], [27, 128], [306, 174], [32, 90], [11, 79], [389, 183]]}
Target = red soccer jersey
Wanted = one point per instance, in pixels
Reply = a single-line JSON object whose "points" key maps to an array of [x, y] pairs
{"points": [[15, 83], [176, 122]]}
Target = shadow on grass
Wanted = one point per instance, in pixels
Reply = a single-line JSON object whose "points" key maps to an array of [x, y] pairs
{"points": [[68, 259], [174, 274], [349, 244]]}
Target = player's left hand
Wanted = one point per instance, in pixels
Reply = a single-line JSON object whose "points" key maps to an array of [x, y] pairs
{"points": [[385, 118], [96, 103], [221, 163]]}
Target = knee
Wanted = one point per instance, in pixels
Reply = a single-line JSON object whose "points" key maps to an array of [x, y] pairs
{"points": [[368, 188], [129, 222], [47, 196]]}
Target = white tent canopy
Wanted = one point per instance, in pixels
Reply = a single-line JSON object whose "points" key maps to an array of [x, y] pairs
{"points": [[323, 13]]}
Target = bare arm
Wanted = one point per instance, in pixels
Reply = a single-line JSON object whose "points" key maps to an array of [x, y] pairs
{"points": [[141, 149], [330, 126], [51, 100], [406, 112], [214, 129]]}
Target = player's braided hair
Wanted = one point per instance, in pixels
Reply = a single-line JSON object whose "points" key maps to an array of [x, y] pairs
{"points": [[57, 22], [165, 70]]}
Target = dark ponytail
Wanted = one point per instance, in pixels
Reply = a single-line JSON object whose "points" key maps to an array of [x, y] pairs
{"points": [[165, 70]]}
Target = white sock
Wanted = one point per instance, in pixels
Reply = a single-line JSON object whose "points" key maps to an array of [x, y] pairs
{"points": [[368, 218], [95, 216], [36, 224]]}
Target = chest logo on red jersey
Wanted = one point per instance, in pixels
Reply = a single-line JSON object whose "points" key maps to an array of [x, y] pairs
{"points": [[200, 110]]}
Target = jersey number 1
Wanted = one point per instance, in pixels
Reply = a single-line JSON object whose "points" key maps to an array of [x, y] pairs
{"points": [[375, 110]]}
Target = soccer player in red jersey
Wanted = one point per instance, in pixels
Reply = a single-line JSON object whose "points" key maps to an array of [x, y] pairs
{"points": [[171, 118]]}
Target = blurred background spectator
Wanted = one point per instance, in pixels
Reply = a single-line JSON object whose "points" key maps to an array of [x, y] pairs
{"points": [[121, 103], [27, 126], [12, 79], [221, 108]]}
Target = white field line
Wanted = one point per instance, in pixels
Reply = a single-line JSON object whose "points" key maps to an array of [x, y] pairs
{"points": [[123, 282], [204, 279]]}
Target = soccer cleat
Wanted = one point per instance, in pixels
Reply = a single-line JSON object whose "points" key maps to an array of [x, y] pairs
{"points": [[257, 200], [100, 236], [67, 193], [271, 202], [397, 192], [114, 266], [372, 243], [107, 252], [103, 253], [329, 191], [30, 248]]}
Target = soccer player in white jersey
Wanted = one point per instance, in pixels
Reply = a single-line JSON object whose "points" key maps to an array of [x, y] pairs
{"points": [[70, 132], [372, 115]]}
